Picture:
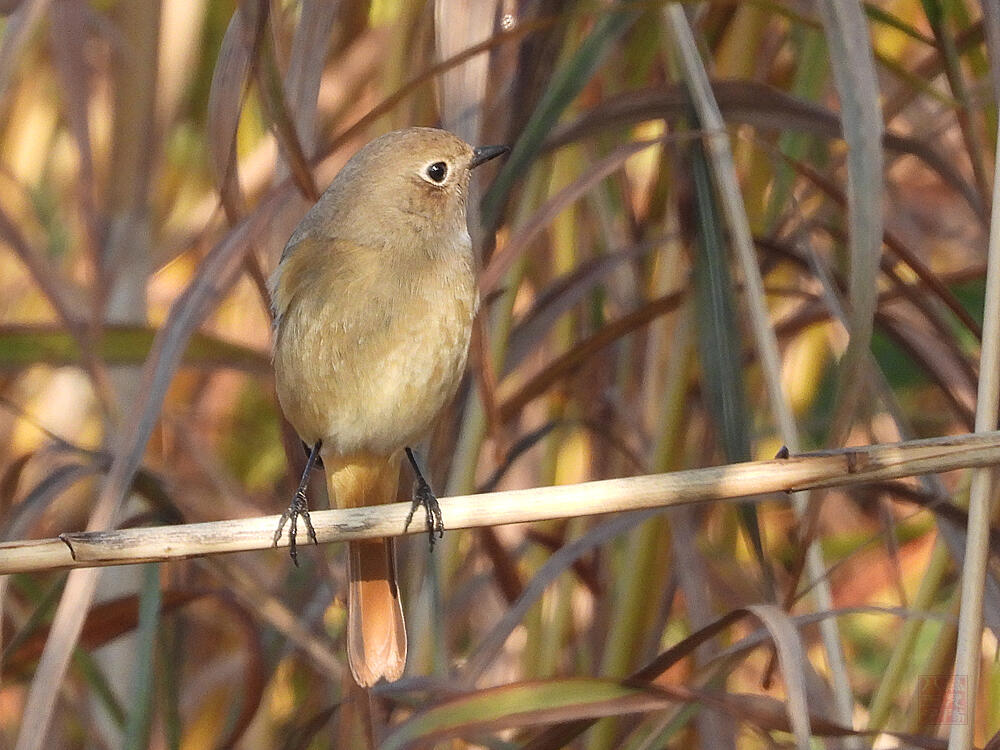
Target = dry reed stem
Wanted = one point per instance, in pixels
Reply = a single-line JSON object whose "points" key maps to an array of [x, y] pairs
{"points": [[873, 463]]}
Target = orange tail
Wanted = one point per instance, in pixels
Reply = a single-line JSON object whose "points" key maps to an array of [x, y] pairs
{"points": [[376, 633]]}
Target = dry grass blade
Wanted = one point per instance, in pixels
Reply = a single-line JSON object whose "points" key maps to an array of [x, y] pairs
{"points": [[310, 46], [857, 86], [225, 101], [305, 66], [791, 657], [272, 92]]}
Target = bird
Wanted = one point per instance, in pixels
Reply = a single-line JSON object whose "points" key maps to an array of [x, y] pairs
{"points": [[373, 302]]}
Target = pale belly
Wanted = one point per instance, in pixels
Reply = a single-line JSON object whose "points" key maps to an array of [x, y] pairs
{"points": [[374, 389]]}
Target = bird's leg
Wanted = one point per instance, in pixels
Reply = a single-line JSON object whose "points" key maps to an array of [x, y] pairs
{"points": [[423, 495], [299, 507]]}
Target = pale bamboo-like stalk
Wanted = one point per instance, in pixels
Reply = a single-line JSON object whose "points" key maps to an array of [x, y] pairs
{"points": [[968, 646], [838, 468]]}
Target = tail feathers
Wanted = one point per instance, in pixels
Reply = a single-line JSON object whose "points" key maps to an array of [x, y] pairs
{"points": [[376, 633]]}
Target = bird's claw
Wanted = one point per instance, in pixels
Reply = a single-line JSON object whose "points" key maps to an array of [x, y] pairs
{"points": [[299, 507], [423, 495]]}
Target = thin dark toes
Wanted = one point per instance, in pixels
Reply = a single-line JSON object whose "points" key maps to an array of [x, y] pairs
{"points": [[281, 527], [433, 519], [428, 517], [292, 551], [424, 496], [309, 527]]}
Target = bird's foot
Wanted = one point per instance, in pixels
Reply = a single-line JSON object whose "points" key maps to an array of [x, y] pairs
{"points": [[423, 495], [299, 507]]}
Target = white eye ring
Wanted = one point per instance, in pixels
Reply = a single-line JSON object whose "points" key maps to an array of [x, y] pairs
{"points": [[436, 173]]}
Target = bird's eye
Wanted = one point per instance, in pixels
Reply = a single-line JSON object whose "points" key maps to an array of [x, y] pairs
{"points": [[437, 172]]}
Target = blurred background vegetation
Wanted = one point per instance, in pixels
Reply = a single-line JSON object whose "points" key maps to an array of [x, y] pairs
{"points": [[154, 157]]}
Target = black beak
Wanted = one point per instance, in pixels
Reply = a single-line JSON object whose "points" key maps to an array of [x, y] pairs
{"points": [[483, 154]]}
